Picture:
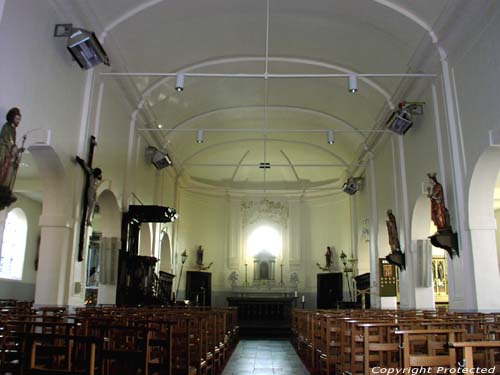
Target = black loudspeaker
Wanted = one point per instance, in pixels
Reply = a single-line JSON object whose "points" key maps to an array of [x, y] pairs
{"points": [[329, 290], [199, 288]]}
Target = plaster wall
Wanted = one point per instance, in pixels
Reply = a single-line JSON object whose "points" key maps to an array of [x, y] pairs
{"points": [[204, 220]]}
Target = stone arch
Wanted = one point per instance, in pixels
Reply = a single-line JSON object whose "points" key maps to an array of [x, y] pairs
{"points": [[482, 227]]}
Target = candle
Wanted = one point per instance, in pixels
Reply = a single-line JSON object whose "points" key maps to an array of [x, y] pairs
{"points": [[295, 294], [303, 299], [197, 298]]}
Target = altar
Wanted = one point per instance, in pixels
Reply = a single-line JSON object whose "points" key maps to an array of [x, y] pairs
{"points": [[263, 311]]}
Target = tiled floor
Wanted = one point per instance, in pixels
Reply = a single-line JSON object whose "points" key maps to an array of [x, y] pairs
{"points": [[264, 357]]}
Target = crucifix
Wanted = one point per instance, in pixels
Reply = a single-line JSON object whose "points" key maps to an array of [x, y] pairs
{"points": [[93, 177]]}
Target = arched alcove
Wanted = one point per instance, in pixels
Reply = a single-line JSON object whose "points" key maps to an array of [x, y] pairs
{"points": [[108, 223], [482, 226], [165, 253]]}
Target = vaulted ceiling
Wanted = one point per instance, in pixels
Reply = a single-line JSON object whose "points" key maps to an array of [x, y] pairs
{"points": [[279, 120]]}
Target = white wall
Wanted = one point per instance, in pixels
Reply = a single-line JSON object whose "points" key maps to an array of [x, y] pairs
{"points": [[204, 221]]}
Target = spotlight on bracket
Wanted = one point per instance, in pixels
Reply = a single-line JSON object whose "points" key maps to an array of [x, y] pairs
{"points": [[199, 137], [331, 137], [401, 120], [352, 185], [83, 46], [179, 82], [353, 83], [158, 158]]}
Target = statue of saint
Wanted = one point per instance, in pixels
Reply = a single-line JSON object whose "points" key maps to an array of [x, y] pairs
{"points": [[328, 256], [439, 213], [392, 230], [95, 178], [199, 256], [10, 154]]}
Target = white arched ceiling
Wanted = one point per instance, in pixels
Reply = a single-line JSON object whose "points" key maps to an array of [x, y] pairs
{"points": [[216, 36]]}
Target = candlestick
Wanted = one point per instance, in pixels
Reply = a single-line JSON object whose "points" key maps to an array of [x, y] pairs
{"points": [[246, 274], [281, 276]]}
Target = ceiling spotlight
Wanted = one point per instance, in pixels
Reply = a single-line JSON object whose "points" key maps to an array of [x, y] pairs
{"points": [[353, 83], [331, 138], [179, 82], [199, 138]]}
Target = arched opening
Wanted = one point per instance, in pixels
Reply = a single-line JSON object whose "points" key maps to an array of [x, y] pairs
{"points": [[165, 252], [483, 227], [13, 245], [102, 255], [431, 288]]}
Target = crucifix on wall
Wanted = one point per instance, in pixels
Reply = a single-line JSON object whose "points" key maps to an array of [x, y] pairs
{"points": [[93, 177]]}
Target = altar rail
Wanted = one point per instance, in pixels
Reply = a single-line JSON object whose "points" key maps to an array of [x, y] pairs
{"points": [[263, 315]]}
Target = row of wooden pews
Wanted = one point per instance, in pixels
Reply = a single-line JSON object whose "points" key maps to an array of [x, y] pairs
{"points": [[385, 341], [112, 340]]}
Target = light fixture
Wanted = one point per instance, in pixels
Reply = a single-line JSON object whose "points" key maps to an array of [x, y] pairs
{"points": [[83, 46], [265, 165], [353, 83], [199, 138], [160, 126], [331, 137], [158, 158], [179, 82], [352, 185], [401, 120], [184, 257]]}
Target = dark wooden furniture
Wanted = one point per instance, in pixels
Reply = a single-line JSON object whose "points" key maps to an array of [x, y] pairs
{"points": [[329, 290], [263, 315], [137, 283], [199, 287], [363, 282]]}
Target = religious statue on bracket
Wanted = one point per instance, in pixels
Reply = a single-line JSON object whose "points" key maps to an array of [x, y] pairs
{"points": [[10, 157], [328, 260], [93, 177], [444, 238], [396, 257], [199, 259], [233, 278]]}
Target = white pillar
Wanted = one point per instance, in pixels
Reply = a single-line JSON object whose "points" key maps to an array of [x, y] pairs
{"points": [[374, 271], [52, 278], [486, 275]]}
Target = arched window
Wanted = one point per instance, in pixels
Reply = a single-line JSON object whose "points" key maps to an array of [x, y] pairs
{"points": [[13, 245], [265, 238]]}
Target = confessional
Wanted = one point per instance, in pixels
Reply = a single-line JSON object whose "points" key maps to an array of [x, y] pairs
{"points": [[329, 290]]}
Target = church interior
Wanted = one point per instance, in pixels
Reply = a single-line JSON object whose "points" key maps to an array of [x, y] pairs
{"points": [[261, 187]]}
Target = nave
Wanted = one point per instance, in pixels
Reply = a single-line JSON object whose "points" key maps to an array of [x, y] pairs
{"points": [[264, 357]]}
